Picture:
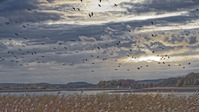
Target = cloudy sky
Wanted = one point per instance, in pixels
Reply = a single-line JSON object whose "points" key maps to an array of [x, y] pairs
{"points": [[61, 41]]}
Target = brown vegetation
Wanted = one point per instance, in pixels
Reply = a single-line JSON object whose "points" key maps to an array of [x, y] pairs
{"points": [[100, 103]]}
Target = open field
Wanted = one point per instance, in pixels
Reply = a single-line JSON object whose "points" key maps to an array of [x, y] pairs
{"points": [[100, 103]]}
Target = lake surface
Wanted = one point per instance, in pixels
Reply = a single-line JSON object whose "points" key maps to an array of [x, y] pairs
{"points": [[66, 93], [95, 92]]}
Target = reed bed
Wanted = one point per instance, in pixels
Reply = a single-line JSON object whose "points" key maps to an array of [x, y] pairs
{"points": [[100, 103]]}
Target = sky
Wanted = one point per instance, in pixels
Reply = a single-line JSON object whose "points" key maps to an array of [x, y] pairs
{"points": [[61, 41]]}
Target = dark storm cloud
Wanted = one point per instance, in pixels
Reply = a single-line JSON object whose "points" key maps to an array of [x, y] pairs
{"points": [[161, 6], [192, 40], [2, 46], [20, 11], [50, 0]]}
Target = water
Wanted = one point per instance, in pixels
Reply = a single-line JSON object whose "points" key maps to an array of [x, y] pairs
{"points": [[161, 93], [95, 92], [66, 93]]}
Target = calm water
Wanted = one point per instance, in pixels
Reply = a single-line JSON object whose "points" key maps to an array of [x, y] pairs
{"points": [[68, 93]]}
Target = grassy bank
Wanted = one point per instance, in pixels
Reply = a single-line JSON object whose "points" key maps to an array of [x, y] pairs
{"points": [[100, 103]]}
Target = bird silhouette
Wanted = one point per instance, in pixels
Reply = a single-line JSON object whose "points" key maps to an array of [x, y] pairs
{"points": [[92, 14], [16, 34]]}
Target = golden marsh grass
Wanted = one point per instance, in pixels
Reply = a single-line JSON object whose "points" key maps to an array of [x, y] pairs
{"points": [[100, 103]]}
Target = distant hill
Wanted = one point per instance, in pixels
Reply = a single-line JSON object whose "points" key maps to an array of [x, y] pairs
{"points": [[154, 81], [79, 85], [169, 82], [118, 83], [43, 86]]}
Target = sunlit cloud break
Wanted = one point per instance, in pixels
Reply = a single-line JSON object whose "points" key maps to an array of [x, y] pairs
{"points": [[159, 59], [102, 19], [141, 59]]}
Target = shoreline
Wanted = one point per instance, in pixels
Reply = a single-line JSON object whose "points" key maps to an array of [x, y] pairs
{"points": [[155, 89]]}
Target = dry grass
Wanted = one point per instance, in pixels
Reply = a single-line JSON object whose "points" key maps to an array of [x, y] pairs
{"points": [[99, 103]]}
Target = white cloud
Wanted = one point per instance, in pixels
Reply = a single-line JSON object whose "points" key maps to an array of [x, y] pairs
{"points": [[86, 39]]}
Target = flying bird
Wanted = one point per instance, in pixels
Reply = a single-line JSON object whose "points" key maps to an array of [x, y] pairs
{"points": [[92, 14], [29, 9], [98, 48], [16, 34]]}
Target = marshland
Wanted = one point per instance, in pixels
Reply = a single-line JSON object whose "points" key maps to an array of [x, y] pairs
{"points": [[101, 102]]}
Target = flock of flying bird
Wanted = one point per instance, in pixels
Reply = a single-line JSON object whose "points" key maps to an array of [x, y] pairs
{"points": [[20, 54], [91, 14]]}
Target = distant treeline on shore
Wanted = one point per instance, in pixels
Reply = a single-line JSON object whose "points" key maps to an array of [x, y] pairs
{"points": [[190, 80]]}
